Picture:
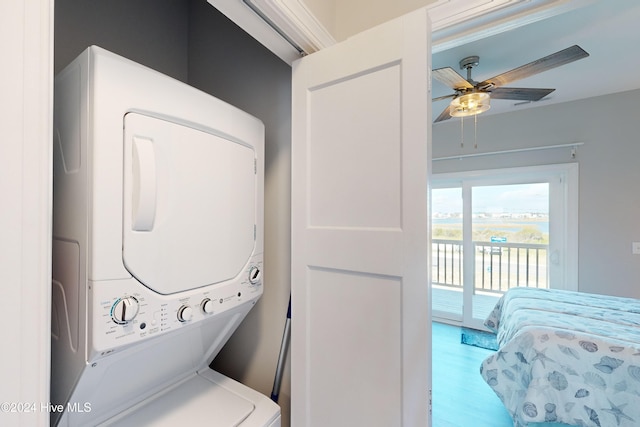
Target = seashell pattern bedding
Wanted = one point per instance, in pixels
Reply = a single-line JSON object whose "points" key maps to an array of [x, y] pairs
{"points": [[566, 357]]}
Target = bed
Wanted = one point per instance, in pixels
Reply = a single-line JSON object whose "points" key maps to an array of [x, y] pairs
{"points": [[566, 357]]}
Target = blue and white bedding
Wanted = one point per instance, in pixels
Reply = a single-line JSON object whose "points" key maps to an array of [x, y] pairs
{"points": [[566, 357]]}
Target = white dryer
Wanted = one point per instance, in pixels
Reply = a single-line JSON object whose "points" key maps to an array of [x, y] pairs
{"points": [[157, 249]]}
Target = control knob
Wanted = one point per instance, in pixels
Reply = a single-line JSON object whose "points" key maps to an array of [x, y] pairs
{"points": [[207, 306], [185, 313], [124, 310], [255, 275]]}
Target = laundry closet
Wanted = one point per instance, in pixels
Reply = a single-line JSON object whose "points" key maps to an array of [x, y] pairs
{"points": [[194, 43]]}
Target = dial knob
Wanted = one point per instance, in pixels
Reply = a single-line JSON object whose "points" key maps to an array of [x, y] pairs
{"points": [[124, 310], [254, 275], [185, 313], [207, 306]]}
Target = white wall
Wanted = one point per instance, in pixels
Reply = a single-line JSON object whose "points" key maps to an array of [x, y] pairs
{"points": [[609, 199], [345, 18], [355, 16], [325, 12]]}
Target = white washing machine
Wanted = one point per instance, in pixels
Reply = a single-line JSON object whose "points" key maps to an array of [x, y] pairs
{"points": [[157, 249]]}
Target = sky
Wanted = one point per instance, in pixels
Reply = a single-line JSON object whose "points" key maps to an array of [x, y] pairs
{"points": [[515, 198]]}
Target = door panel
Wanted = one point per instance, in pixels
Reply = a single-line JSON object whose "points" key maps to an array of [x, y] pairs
{"points": [[342, 130], [360, 277], [347, 351]]}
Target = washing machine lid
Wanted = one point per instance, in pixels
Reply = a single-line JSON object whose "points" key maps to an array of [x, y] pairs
{"points": [[189, 207], [196, 402]]}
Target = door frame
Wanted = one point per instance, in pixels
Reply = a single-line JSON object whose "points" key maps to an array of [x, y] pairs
{"points": [[26, 161]]}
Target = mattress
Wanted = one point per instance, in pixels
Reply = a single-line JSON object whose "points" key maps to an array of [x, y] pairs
{"points": [[566, 357]]}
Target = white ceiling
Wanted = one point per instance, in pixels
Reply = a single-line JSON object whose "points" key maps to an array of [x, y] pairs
{"points": [[606, 29]]}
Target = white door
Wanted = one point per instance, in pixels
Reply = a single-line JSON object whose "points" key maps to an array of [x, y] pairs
{"points": [[361, 339]]}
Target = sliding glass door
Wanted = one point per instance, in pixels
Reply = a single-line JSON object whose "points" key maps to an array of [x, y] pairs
{"points": [[446, 253], [495, 230]]}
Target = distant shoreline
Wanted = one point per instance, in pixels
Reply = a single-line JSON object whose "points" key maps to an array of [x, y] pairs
{"points": [[513, 225]]}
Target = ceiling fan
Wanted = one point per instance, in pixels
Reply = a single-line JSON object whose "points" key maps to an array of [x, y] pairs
{"points": [[473, 97]]}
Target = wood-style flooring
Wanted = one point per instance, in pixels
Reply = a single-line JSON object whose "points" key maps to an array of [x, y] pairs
{"points": [[461, 398]]}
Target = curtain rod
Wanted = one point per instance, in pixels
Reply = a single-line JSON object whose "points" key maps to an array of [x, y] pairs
{"points": [[515, 150]]}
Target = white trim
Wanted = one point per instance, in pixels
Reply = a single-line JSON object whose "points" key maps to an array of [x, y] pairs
{"points": [[457, 22], [572, 215], [514, 174], [294, 18], [25, 159], [446, 13], [454, 22]]}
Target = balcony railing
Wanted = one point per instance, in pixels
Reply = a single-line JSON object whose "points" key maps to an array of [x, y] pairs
{"points": [[497, 266]]}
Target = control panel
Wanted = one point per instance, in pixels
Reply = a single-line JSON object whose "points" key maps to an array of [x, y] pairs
{"points": [[125, 311]]}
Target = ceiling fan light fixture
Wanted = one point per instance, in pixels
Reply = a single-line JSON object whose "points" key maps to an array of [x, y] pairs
{"points": [[470, 104]]}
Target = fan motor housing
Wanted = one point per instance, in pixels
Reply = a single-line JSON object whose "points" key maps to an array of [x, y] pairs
{"points": [[469, 62]]}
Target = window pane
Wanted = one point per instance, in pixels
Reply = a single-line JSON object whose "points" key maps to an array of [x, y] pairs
{"points": [[447, 251], [510, 229]]}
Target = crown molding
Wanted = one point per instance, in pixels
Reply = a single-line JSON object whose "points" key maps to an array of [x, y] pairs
{"points": [[457, 22], [290, 30], [297, 22]]}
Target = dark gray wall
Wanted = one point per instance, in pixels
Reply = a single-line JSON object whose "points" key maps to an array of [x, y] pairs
{"points": [[228, 63], [151, 32], [609, 199]]}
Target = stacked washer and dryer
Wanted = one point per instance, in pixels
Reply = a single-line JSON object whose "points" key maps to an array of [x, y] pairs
{"points": [[157, 249]]}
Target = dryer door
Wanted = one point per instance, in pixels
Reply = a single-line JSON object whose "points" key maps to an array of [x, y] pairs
{"points": [[189, 205]]}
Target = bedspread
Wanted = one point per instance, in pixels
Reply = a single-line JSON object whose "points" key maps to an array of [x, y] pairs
{"points": [[566, 357]]}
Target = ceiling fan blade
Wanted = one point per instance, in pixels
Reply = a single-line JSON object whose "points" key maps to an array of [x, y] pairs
{"points": [[557, 59], [519, 93], [440, 98], [451, 78], [443, 116]]}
